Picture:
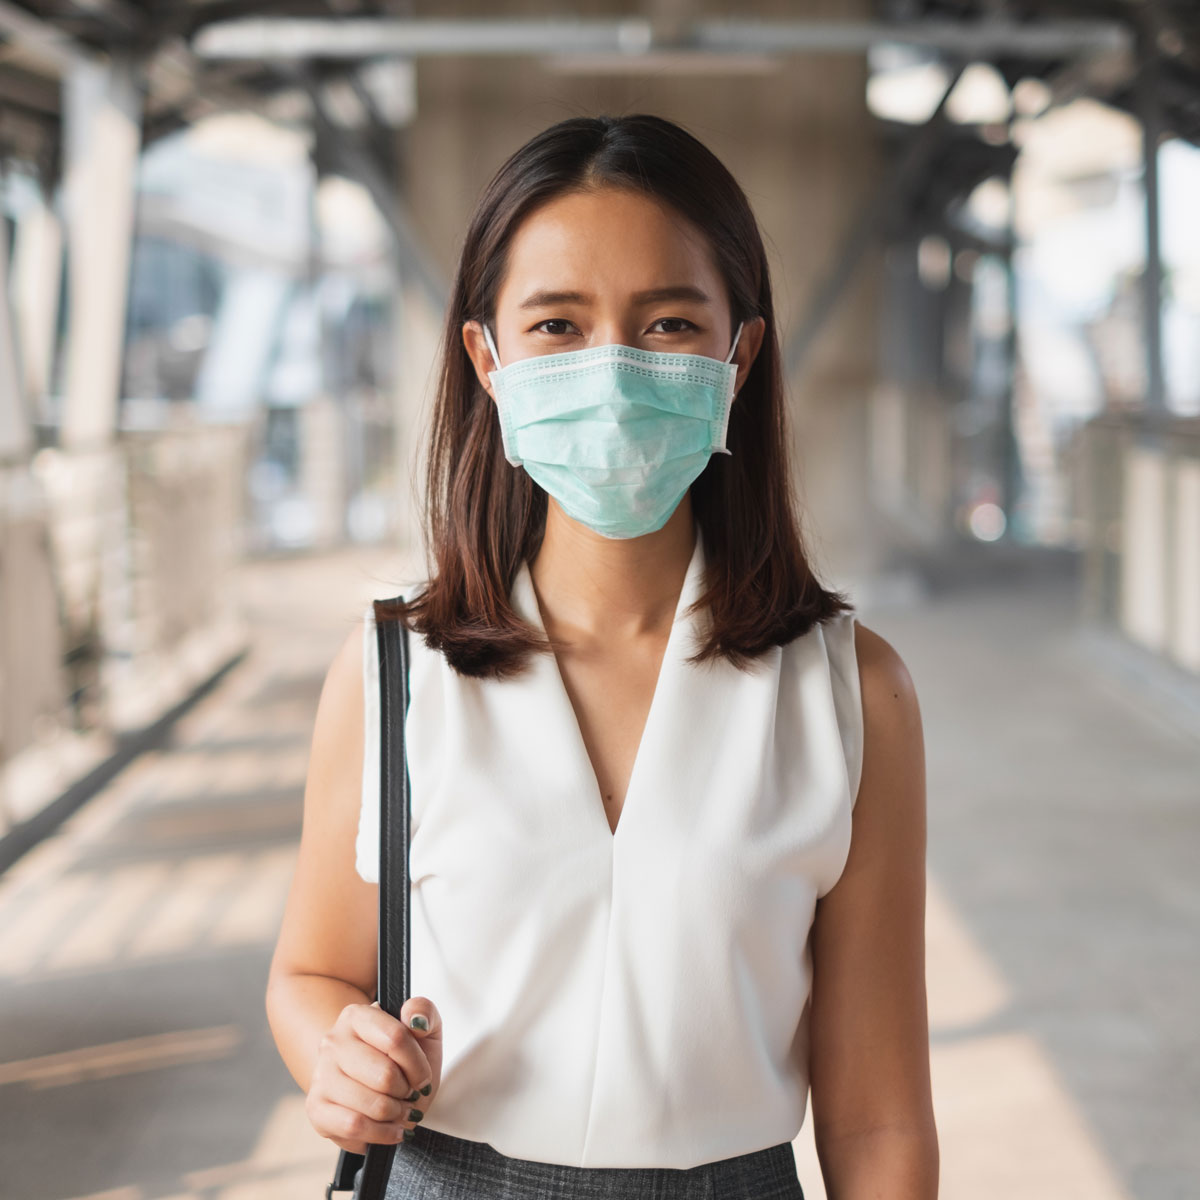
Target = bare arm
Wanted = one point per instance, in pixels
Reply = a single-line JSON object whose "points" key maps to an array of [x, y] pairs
{"points": [[360, 1067], [873, 1122]]}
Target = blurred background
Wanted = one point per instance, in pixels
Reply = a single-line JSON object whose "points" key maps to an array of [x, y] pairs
{"points": [[228, 227]]}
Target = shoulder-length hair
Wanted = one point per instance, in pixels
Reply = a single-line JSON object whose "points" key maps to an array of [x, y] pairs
{"points": [[484, 517]]}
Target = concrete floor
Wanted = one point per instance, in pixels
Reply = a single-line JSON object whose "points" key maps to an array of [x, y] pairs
{"points": [[1063, 916]]}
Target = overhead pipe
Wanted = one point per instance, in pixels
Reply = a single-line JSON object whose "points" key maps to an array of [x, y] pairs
{"points": [[375, 37], [965, 39]]}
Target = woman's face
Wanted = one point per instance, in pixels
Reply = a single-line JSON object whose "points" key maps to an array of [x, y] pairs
{"points": [[610, 266]]}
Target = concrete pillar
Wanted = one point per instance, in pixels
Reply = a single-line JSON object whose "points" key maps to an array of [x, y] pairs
{"points": [[31, 679], [36, 278], [16, 436], [1149, 108], [101, 137]]}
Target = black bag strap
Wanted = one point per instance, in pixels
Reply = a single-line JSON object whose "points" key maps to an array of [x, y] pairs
{"points": [[367, 1175]]}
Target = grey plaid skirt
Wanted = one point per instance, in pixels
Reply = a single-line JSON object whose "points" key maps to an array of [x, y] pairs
{"points": [[438, 1166]]}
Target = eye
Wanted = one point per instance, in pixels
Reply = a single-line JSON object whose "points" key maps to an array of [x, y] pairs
{"points": [[681, 320], [553, 321]]}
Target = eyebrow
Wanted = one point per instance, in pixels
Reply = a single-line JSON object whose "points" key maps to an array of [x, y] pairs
{"points": [[682, 291]]}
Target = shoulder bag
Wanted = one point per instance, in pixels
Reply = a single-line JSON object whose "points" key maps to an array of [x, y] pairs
{"points": [[366, 1175]]}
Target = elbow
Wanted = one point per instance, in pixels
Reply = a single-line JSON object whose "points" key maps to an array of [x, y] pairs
{"points": [[270, 996], [899, 1162], [278, 981]]}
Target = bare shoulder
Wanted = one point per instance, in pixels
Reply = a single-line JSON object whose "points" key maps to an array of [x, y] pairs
{"points": [[338, 724], [889, 807], [879, 663], [343, 679], [889, 696]]}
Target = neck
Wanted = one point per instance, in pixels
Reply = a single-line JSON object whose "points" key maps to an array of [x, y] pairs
{"points": [[589, 586]]}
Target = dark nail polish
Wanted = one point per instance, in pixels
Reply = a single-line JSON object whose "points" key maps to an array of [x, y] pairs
{"points": [[427, 1089], [415, 1095], [415, 1114], [409, 1134], [418, 1022]]}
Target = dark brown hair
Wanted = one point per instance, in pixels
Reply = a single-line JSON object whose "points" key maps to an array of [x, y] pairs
{"points": [[484, 517]]}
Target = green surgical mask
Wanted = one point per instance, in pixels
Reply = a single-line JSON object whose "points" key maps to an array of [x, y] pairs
{"points": [[615, 434]]}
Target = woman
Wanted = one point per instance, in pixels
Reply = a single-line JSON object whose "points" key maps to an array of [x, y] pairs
{"points": [[639, 727]]}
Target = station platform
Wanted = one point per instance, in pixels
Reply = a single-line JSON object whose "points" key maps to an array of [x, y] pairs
{"points": [[1063, 903]]}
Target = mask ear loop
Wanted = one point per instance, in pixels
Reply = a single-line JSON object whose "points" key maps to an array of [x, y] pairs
{"points": [[722, 449], [737, 335], [491, 345]]}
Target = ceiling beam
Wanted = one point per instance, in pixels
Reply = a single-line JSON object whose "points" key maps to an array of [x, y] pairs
{"points": [[119, 14], [42, 38], [24, 89], [289, 38]]}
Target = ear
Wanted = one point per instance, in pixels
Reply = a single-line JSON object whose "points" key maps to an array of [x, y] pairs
{"points": [[748, 346], [477, 350]]}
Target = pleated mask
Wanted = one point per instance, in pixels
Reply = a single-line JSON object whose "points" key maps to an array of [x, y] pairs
{"points": [[614, 433]]}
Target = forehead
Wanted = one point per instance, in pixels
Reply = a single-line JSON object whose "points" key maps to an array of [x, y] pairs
{"points": [[610, 242]]}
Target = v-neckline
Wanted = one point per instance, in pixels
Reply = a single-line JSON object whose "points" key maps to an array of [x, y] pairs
{"points": [[525, 601]]}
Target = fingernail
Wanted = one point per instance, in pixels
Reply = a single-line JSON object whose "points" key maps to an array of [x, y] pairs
{"points": [[427, 1089], [415, 1114], [418, 1022], [409, 1134], [415, 1096]]}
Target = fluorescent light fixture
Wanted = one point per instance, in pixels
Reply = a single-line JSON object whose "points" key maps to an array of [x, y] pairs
{"points": [[989, 203], [905, 84], [1031, 97], [980, 97]]}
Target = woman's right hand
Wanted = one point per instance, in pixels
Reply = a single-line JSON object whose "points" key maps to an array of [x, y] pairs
{"points": [[369, 1067]]}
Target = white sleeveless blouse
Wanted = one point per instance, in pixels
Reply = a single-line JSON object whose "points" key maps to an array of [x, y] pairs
{"points": [[637, 999]]}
